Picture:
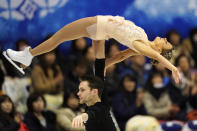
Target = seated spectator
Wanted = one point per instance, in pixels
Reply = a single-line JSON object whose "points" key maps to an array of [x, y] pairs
{"points": [[89, 56], [165, 73], [112, 72], [138, 67], [193, 97], [191, 44], [111, 80], [47, 76], [184, 64], [127, 102], [156, 98], [79, 69], [68, 111], [112, 48], [77, 49], [16, 88], [174, 38], [179, 108], [38, 118], [9, 121]]}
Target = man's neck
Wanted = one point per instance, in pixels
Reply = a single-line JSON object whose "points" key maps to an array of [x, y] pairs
{"points": [[93, 101]]}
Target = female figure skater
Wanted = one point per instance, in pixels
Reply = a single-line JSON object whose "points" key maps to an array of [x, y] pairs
{"points": [[102, 28]]}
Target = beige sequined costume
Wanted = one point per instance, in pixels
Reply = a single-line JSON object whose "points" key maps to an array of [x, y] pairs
{"points": [[116, 27]]}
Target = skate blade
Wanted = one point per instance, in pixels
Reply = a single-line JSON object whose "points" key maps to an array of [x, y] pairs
{"points": [[11, 62]]}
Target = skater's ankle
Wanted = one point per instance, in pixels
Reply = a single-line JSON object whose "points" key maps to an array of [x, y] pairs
{"points": [[30, 51]]}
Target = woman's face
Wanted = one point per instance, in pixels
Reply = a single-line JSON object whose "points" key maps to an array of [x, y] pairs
{"points": [[50, 58], [73, 101], [183, 63], [162, 43], [38, 105], [6, 106], [128, 84]]}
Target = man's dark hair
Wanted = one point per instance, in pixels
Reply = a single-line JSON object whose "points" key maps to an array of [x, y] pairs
{"points": [[94, 83]]}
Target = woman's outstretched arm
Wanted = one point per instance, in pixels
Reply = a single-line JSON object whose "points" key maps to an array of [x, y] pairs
{"points": [[151, 53]]}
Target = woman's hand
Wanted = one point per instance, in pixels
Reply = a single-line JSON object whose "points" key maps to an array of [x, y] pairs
{"points": [[176, 75]]}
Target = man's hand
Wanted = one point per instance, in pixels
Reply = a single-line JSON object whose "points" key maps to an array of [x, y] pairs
{"points": [[79, 120]]}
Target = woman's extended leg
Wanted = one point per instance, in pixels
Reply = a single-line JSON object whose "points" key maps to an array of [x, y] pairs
{"points": [[70, 31]]}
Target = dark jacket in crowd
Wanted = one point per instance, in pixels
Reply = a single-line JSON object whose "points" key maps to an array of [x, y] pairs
{"points": [[124, 107], [34, 124], [8, 125]]}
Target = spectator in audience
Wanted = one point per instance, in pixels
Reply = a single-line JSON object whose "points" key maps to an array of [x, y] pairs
{"points": [[174, 38], [111, 74], [78, 46], [9, 121], [60, 58], [47, 76], [138, 69], [38, 118], [89, 56], [156, 98], [165, 73], [16, 88], [127, 102], [183, 62], [111, 80], [112, 48], [47, 79], [178, 99], [70, 109], [193, 97], [191, 44], [193, 92], [79, 69]]}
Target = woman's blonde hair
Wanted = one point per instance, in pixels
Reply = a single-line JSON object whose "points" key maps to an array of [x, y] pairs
{"points": [[165, 53]]}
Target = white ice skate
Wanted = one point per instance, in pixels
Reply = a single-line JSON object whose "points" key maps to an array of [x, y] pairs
{"points": [[23, 57]]}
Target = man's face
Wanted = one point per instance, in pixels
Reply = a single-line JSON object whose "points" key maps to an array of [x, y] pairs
{"points": [[85, 93]]}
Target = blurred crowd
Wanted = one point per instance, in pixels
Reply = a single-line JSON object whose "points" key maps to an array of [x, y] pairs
{"points": [[45, 99]]}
